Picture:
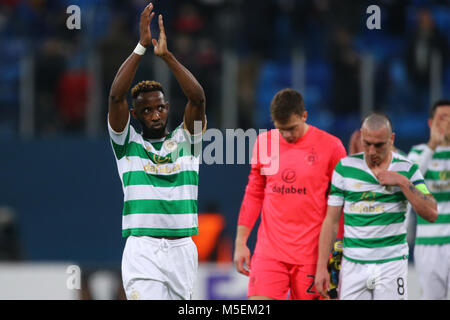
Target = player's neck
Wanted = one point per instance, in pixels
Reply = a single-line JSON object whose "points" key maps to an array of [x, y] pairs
{"points": [[305, 130], [155, 134]]}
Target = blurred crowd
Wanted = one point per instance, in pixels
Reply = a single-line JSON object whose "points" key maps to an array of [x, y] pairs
{"points": [[331, 35]]}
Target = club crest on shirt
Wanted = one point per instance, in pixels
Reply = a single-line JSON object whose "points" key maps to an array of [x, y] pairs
{"points": [[170, 145], [312, 157], [368, 196], [288, 175]]}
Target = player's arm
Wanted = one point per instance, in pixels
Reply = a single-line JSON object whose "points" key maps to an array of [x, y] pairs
{"points": [[421, 200], [327, 237], [437, 137], [249, 213], [118, 110], [241, 251], [195, 107]]}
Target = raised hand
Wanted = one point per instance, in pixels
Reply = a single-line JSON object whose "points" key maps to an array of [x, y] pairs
{"points": [[160, 45], [144, 26]]}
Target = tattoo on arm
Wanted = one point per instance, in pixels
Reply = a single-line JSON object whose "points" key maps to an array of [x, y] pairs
{"points": [[413, 189]]}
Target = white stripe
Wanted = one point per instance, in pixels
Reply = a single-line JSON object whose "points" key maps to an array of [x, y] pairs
{"points": [[371, 207], [383, 253], [354, 162], [148, 192], [335, 201], [185, 163], [437, 186], [355, 185], [444, 207], [368, 232], [400, 166], [438, 165], [433, 230], [119, 137], [337, 180], [164, 221]]}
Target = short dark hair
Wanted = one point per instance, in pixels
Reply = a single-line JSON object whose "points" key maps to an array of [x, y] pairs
{"points": [[286, 103], [145, 86], [377, 119], [442, 102]]}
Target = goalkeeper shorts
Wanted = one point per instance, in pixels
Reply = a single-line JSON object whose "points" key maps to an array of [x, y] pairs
{"points": [[373, 281], [279, 280], [159, 269]]}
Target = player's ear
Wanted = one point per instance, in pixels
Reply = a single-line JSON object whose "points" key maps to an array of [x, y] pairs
{"points": [[305, 115], [430, 121]]}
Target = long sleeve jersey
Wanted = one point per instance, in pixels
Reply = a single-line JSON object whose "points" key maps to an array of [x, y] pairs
{"points": [[293, 199]]}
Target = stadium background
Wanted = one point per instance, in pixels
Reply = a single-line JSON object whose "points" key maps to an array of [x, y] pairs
{"points": [[60, 194]]}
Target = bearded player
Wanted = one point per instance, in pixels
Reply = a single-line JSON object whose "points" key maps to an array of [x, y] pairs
{"points": [[159, 175], [292, 203]]}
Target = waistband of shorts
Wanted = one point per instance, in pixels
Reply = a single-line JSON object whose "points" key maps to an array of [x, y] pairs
{"points": [[171, 242]]}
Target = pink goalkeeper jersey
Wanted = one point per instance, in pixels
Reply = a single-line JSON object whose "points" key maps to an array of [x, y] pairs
{"points": [[293, 201]]}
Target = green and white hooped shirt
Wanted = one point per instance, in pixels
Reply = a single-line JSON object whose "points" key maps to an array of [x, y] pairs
{"points": [[374, 215], [437, 178], [159, 181]]}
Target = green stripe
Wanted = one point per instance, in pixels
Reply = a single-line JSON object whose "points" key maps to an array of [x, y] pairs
{"points": [[441, 196], [374, 242], [442, 218], [415, 150], [442, 155], [156, 232], [433, 240], [120, 150], [159, 206], [394, 160], [437, 175], [357, 156], [157, 145], [362, 220], [137, 150], [335, 191], [355, 173], [411, 171], [377, 261], [374, 196], [133, 178]]}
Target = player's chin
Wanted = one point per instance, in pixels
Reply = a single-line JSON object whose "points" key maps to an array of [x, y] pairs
{"points": [[292, 140], [157, 129]]}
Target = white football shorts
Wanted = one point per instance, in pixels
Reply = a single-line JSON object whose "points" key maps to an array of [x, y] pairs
{"points": [[373, 281], [159, 269]]}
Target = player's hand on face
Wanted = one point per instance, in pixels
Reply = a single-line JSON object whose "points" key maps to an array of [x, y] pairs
{"points": [[437, 132], [322, 282], [160, 45], [144, 26], [241, 256]]}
